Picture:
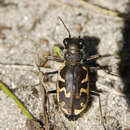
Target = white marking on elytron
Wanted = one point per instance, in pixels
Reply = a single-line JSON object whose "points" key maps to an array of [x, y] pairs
{"points": [[78, 111], [82, 104], [86, 78], [58, 89], [64, 90], [85, 68], [66, 111], [82, 90], [59, 76]]}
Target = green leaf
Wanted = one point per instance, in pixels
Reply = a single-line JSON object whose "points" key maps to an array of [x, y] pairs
{"points": [[58, 52]]}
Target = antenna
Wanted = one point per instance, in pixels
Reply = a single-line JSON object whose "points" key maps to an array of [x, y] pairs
{"points": [[65, 26]]}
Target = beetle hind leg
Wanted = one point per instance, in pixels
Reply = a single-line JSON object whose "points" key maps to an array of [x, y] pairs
{"points": [[53, 72], [100, 107], [51, 92]]}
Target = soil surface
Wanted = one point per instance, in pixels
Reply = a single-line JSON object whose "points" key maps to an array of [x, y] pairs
{"points": [[29, 29]]}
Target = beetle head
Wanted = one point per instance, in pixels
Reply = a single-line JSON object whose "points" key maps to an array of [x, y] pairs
{"points": [[73, 53], [73, 44]]}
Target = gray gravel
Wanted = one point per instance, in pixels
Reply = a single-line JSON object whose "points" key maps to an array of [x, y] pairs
{"points": [[35, 30]]}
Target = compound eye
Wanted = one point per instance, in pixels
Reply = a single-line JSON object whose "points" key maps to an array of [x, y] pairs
{"points": [[65, 41], [80, 44]]}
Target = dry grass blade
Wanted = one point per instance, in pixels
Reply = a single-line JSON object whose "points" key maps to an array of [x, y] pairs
{"points": [[2, 27], [24, 67], [44, 100], [103, 10]]}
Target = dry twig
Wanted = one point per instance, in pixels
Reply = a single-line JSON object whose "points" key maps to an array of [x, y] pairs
{"points": [[44, 100], [2, 27]]}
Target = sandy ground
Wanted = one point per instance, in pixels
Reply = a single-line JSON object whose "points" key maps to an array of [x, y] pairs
{"points": [[33, 31]]}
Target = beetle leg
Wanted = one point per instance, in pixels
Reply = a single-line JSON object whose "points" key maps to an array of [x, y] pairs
{"points": [[105, 69], [54, 58], [51, 92], [93, 57], [98, 67], [100, 106], [47, 73], [97, 56]]}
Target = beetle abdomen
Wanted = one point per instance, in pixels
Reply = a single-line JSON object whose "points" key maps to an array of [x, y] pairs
{"points": [[73, 89]]}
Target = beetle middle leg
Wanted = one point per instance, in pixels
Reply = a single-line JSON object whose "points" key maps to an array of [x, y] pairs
{"points": [[96, 66], [105, 69], [48, 73], [43, 78]]}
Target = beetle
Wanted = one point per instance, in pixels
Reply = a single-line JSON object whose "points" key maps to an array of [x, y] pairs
{"points": [[73, 79], [72, 82]]}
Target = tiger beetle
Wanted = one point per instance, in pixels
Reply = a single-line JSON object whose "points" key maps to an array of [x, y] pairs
{"points": [[73, 90]]}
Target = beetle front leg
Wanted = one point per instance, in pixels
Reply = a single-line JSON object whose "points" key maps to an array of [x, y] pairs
{"points": [[96, 57], [54, 59], [93, 57]]}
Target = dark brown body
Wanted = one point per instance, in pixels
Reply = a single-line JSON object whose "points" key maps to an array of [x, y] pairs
{"points": [[72, 83], [73, 89]]}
